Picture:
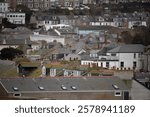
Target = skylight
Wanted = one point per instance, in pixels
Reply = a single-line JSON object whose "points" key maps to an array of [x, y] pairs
{"points": [[115, 86], [63, 87], [15, 88], [41, 88], [73, 88]]}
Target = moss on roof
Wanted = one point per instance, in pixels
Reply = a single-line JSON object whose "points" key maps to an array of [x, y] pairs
{"points": [[30, 64]]}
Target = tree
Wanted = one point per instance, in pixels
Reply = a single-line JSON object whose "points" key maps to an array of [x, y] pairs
{"points": [[127, 37], [138, 39], [10, 53], [7, 24], [26, 10]]}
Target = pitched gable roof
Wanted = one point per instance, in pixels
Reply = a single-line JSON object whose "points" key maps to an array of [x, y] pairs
{"points": [[129, 48]]}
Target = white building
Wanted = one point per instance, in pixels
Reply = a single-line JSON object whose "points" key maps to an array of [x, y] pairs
{"points": [[4, 7], [126, 57], [132, 23], [16, 17], [59, 26]]}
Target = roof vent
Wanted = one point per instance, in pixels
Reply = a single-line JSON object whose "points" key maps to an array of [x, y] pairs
{"points": [[73, 88], [115, 86], [15, 88], [41, 88], [63, 87]]}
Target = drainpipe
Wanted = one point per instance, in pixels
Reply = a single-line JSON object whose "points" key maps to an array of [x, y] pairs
{"points": [[147, 64]]}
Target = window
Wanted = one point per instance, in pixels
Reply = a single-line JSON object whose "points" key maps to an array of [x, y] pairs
{"points": [[134, 56], [16, 94], [139, 55], [107, 64], [122, 64], [101, 64], [113, 54], [117, 93], [134, 64], [47, 5]]}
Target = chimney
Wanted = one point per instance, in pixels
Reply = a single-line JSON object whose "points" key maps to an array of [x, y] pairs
{"points": [[4, 41]]}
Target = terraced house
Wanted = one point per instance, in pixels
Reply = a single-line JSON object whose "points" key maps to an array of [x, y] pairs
{"points": [[35, 4], [4, 6], [46, 4]]}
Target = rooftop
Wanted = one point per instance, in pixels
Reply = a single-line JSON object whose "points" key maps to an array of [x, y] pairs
{"points": [[96, 28], [129, 48], [55, 84]]}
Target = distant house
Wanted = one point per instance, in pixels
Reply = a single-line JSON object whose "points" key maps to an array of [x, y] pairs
{"points": [[72, 57], [136, 22], [87, 1], [73, 73], [4, 7], [44, 20], [47, 38], [102, 21], [68, 32], [71, 3], [55, 72], [94, 53], [96, 30], [63, 19], [98, 88], [33, 57], [36, 46], [83, 20], [16, 17], [59, 53], [125, 57], [15, 43], [17, 33], [129, 56], [120, 22], [123, 20], [1, 20], [71, 20], [78, 48]]}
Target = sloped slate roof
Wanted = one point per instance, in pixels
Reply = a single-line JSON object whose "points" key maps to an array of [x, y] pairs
{"points": [[54, 84], [129, 48], [15, 42]]}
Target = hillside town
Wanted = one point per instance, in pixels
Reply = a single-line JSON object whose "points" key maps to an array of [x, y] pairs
{"points": [[75, 49]]}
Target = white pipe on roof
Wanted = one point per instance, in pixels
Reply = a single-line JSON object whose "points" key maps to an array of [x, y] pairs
{"points": [[57, 32]]}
